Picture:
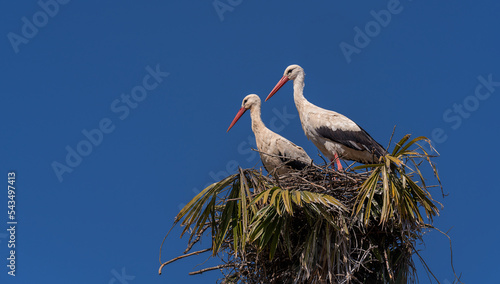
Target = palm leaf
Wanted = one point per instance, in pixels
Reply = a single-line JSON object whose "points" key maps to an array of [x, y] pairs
{"points": [[400, 194]]}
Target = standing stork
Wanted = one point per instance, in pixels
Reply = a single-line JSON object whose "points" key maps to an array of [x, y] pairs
{"points": [[277, 153], [335, 135]]}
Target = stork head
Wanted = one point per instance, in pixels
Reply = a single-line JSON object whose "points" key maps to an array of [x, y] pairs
{"points": [[291, 72], [248, 102]]}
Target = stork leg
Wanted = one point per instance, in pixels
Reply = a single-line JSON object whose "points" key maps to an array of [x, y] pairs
{"points": [[339, 165]]}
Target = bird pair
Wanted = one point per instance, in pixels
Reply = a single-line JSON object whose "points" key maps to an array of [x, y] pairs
{"points": [[335, 135]]}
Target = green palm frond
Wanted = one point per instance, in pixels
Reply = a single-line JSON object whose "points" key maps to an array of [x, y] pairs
{"points": [[271, 221], [392, 184], [223, 206]]}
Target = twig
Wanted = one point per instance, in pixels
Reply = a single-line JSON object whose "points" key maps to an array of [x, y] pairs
{"points": [[182, 256], [451, 253], [427, 268], [211, 268], [387, 264], [312, 183], [390, 140], [164, 238], [191, 244]]}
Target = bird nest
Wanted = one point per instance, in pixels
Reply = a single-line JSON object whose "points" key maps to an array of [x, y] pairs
{"points": [[315, 225]]}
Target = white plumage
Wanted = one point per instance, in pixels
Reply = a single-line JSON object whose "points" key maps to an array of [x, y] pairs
{"points": [[277, 153], [335, 135]]}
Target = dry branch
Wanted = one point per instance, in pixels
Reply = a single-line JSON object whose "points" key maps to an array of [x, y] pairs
{"points": [[183, 256], [211, 268]]}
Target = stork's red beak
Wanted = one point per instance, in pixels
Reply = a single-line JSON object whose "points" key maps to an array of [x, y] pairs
{"points": [[280, 84], [238, 115]]}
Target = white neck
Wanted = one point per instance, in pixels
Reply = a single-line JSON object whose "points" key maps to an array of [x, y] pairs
{"points": [[298, 92], [257, 124]]}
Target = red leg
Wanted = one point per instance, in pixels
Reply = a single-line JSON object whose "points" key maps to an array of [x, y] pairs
{"points": [[339, 165]]}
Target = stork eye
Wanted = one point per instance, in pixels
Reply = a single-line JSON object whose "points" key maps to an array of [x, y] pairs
{"points": [[244, 101], [289, 71]]}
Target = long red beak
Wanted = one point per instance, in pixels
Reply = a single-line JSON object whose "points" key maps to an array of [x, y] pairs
{"points": [[280, 84], [238, 115]]}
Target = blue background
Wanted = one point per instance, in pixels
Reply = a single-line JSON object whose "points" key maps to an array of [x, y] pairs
{"points": [[109, 215]]}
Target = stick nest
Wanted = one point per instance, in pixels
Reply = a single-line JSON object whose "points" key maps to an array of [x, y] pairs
{"points": [[316, 225]]}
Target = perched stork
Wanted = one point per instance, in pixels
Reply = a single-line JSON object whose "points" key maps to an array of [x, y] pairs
{"points": [[277, 153], [335, 135]]}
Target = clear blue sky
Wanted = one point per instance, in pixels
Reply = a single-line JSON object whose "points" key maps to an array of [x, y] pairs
{"points": [[72, 68]]}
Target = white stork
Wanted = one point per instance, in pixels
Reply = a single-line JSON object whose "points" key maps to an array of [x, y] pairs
{"points": [[335, 135], [276, 152]]}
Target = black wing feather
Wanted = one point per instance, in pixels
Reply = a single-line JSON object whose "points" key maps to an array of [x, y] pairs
{"points": [[357, 140], [293, 163]]}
